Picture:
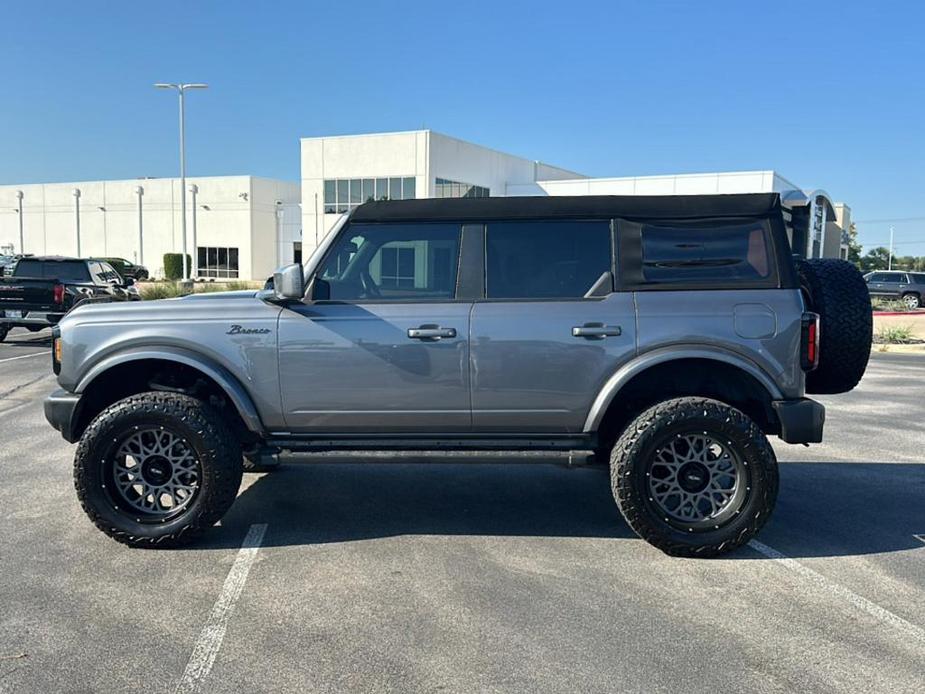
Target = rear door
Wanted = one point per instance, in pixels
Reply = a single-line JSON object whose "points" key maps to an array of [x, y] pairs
{"points": [[550, 330], [387, 351], [884, 284]]}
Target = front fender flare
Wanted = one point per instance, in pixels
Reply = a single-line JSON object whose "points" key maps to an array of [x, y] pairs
{"points": [[233, 389], [625, 373]]}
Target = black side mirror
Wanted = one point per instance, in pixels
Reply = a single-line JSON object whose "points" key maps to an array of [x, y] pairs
{"points": [[321, 290]]}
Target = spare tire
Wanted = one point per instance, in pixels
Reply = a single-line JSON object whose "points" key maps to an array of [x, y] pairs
{"points": [[836, 290]]}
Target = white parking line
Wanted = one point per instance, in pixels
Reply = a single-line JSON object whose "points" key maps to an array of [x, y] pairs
{"points": [[213, 633], [871, 608], [25, 356]]}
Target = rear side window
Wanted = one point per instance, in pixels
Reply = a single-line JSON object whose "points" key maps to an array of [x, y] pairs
{"points": [[545, 260], [714, 254], [66, 271]]}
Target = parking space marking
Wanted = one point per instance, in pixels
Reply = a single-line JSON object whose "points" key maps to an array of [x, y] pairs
{"points": [[213, 633], [920, 538], [871, 608], [25, 356]]}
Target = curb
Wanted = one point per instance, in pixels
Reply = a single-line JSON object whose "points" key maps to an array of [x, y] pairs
{"points": [[909, 314]]}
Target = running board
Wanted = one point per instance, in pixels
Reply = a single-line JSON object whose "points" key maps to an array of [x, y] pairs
{"points": [[517, 444]]}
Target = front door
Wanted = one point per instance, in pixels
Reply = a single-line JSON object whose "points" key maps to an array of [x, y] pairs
{"points": [[387, 351], [551, 330]]}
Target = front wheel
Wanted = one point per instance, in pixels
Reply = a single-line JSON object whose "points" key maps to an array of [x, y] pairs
{"points": [[694, 477], [157, 469]]}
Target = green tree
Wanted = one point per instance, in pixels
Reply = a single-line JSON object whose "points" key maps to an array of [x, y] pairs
{"points": [[854, 248], [876, 259]]}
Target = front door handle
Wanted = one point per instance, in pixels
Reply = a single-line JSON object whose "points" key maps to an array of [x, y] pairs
{"points": [[430, 332], [596, 331]]}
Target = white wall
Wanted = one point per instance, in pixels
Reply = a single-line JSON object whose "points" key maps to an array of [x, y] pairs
{"points": [[228, 214], [380, 155], [684, 184], [424, 154]]}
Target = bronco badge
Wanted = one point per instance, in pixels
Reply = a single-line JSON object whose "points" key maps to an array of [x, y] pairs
{"points": [[240, 330]]}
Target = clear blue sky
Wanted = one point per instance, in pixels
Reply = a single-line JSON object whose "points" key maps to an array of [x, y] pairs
{"points": [[830, 94]]}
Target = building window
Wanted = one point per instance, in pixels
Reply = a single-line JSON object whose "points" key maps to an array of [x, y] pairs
{"points": [[217, 262], [343, 194], [397, 268], [454, 189]]}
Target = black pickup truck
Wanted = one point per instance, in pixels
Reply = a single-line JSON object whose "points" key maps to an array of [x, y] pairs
{"points": [[42, 289]]}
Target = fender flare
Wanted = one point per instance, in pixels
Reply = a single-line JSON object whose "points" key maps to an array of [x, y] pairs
{"points": [[231, 386], [645, 361]]}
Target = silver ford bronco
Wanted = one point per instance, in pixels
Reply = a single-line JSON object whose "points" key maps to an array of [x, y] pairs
{"points": [[665, 336]]}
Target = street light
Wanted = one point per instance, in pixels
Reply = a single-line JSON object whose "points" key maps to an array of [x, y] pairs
{"points": [[22, 248], [181, 89], [193, 189], [140, 191], [76, 194]]}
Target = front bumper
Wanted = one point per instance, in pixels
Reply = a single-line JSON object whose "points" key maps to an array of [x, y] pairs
{"points": [[801, 420], [60, 411]]}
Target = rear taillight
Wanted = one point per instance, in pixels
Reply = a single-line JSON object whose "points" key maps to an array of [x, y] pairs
{"points": [[59, 293], [809, 341]]}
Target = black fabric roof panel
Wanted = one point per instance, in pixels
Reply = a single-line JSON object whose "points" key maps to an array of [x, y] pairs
{"points": [[576, 206]]}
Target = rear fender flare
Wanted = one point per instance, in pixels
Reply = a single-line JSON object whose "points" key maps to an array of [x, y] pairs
{"points": [[628, 371]]}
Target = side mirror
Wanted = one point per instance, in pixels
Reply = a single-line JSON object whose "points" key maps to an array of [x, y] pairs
{"points": [[288, 283]]}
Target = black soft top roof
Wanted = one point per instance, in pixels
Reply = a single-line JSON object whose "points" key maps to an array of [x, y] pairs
{"points": [[572, 207]]}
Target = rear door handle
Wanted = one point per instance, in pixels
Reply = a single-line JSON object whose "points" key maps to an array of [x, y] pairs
{"points": [[596, 331], [430, 332]]}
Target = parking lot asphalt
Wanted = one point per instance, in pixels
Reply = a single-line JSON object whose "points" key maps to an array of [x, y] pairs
{"points": [[471, 577]]}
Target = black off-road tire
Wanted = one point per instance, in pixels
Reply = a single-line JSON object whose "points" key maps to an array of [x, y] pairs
{"points": [[633, 456], [215, 446], [836, 290], [4, 331]]}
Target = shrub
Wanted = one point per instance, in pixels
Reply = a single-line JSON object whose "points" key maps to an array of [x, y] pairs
{"points": [[173, 265], [159, 290]]}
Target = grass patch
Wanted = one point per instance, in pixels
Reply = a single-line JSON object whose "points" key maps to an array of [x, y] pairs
{"points": [[892, 305], [895, 335]]}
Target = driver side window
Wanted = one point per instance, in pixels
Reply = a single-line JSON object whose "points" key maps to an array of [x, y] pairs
{"points": [[394, 262]]}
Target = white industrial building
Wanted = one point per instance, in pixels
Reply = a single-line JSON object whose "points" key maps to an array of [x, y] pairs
{"points": [[246, 226], [341, 172]]}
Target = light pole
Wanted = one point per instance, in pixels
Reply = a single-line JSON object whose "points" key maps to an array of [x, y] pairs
{"points": [[76, 195], [889, 265], [22, 248], [193, 189], [140, 191], [181, 90], [279, 220]]}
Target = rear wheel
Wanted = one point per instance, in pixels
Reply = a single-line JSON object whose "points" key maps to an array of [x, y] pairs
{"points": [[694, 477], [912, 301], [157, 469]]}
